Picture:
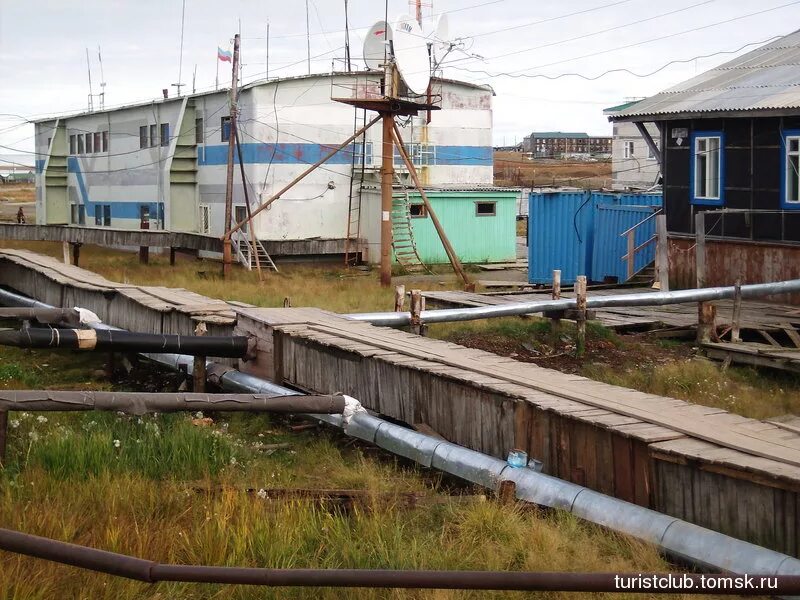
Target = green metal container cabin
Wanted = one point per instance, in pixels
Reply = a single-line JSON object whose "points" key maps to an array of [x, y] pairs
{"points": [[481, 225]]}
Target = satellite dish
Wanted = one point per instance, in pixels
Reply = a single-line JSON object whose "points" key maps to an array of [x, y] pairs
{"points": [[411, 54], [441, 36], [376, 50]]}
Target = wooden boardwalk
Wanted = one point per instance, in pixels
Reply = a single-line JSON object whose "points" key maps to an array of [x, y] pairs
{"points": [[736, 475], [756, 315]]}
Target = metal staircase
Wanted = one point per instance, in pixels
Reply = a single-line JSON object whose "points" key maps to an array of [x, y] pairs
{"points": [[405, 250], [352, 245], [246, 253]]}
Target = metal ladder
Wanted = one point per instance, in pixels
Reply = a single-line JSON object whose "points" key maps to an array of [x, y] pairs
{"points": [[352, 240], [405, 249], [246, 254]]}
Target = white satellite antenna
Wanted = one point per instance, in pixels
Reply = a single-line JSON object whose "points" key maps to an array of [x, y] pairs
{"points": [[377, 45], [411, 54], [441, 37]]}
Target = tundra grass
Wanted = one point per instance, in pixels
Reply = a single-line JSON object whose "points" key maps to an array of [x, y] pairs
{"points": [[167, 489]]}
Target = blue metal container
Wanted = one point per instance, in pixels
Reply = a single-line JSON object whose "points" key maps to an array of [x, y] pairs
{"points": [[561, 231]]}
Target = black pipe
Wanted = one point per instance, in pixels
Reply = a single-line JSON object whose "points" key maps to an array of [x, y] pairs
{"points": [[140, 403], [125, 341], [53, 316], [148, 571]]}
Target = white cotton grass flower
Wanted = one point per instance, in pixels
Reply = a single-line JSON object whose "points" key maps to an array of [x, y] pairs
{"points": [[25, 415], [14, 423], [262, 493], [198, 414], [117, 443], [41, 419], [33, 435], [233, 461]]}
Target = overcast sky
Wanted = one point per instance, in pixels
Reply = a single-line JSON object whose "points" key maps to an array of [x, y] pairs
{"points": [[43, 49]]}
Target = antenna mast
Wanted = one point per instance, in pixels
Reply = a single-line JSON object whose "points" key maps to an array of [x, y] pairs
{"points": [[102, 80], [346, 38], [308, 40], [89, 69], [179, 85], [267, 49]]}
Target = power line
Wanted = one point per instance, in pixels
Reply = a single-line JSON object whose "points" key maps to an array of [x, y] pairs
{"points": [[622, 70]]}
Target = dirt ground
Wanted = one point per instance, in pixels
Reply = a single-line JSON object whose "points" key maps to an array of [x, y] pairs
{"points": [[557, 351], [513, 169], [16, 195]]}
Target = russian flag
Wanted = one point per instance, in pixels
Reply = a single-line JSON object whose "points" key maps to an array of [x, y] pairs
{"points": [[223, 55]]}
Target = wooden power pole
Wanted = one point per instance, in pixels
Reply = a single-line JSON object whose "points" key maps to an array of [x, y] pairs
{"points": [[227, 251], [387, 176]]}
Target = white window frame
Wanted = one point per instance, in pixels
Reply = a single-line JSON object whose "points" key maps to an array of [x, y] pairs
{"points": [[703, 140], [789, 171], [628, 149], [204, 219]]}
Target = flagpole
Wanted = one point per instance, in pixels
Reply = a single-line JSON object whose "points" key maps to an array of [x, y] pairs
{"points": [[216, 81]]}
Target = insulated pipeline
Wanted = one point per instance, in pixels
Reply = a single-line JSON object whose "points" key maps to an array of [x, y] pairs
{"points": [[396, 319], [125, 341]]}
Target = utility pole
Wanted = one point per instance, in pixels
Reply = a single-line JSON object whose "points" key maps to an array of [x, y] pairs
{"points": [[308, 40], [346, 38], [227, 251], [267, 49], [89, 69], [387, 175]]}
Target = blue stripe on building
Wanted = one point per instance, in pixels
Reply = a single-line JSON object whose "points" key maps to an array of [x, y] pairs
{"points": [[295, 154], [119, 210]]}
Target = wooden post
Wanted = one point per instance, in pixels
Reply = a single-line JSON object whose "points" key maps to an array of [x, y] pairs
{"points": [[172, 257], [416, 308], [144, 255], [580, 294], [76, 253], [662, 253], [507, 492], [287, 302], [700, 249], [557, 284], [199, 367], [631, 255], [706, 321], [3, 435], [399, 298], [110, 366], [65, 250], [737, 312], [227, 250], [387, 175]]}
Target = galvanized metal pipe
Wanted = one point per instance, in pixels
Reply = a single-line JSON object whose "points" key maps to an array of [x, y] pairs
{"points": [[689, 542], [52, 316], [397, 319], [123, 565]]}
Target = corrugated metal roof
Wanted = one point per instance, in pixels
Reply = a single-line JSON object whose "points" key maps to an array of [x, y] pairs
{"points": [[764, 79]]}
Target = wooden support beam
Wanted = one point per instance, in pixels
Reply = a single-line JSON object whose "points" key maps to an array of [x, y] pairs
{"points": [[648, 139], [631, 254], [387, 181], [417, 306], [507, 492], [65, 252], [172, 257], [199, 365], [448, 248], [700, 249], [662, 253], [227, 249], [580, 293], [76, 253], [737, 312], [399, 298], [706, 321]]}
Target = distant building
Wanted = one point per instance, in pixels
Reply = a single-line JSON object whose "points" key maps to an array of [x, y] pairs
{"points": [[162, 164], [633, 164], [558, 144]]}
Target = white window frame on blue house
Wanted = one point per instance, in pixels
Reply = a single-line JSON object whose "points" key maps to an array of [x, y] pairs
{"points": [[790, 169], [702, 153]]}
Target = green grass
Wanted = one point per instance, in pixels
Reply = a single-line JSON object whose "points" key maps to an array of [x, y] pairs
{"points": [[176, 496]]}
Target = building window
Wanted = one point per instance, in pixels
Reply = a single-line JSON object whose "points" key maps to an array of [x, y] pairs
{"points": [[650, 155], [143, 136], [358, 153], [89, 145], [165, 134], [105, 141], [225, 128], [80, 144], [239, 215], [627, 149], [485, 209], [707, 168], [97, 143], [73, 145], [791, 170], [205, 219], [153, 135], [102, 215], [417, 211], [198, 131]]}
